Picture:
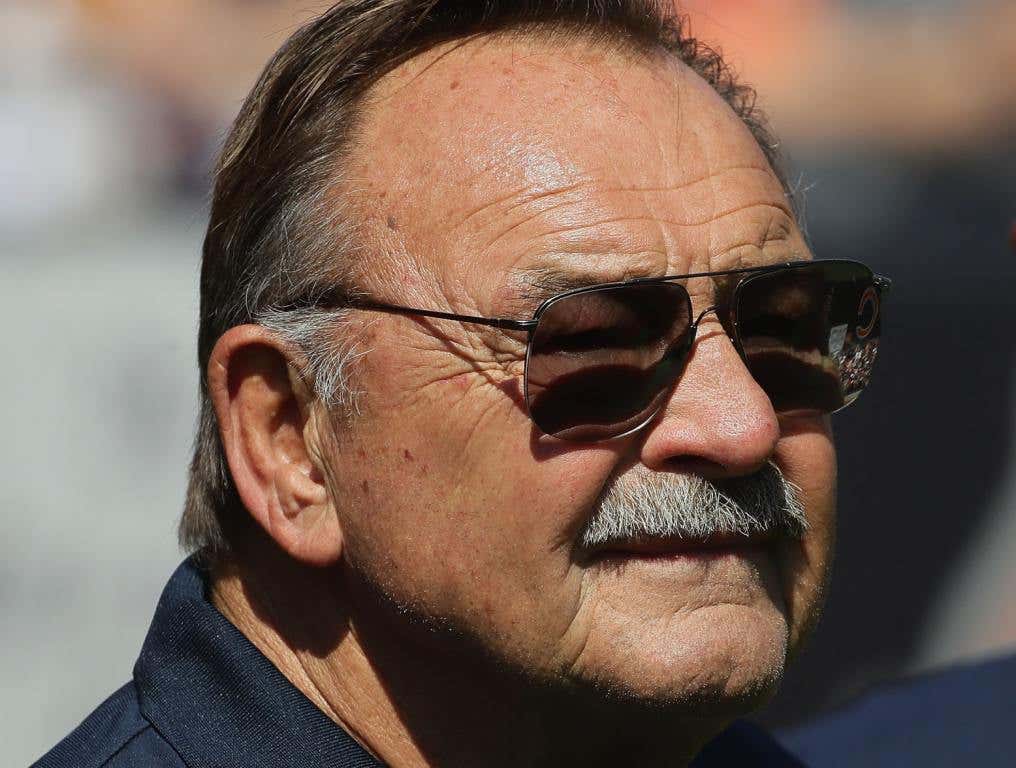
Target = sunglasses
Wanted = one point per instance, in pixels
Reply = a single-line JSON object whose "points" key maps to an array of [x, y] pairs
{"points": [[602, 360]]}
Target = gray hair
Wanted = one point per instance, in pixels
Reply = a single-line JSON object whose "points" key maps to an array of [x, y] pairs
{"points": [[279, 235], [328, 355], [663, 505]]}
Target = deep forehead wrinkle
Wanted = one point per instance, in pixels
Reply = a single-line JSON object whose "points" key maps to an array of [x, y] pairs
{"points": [[516, 181]]}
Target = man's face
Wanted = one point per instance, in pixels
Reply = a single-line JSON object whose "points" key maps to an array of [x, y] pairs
{"points": [[476, 165]]}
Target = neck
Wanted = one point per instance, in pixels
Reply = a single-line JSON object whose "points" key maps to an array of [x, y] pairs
{"points": [[413, 701]]}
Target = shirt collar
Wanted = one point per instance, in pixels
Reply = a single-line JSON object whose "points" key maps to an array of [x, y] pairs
{"points": [[218, 701]]}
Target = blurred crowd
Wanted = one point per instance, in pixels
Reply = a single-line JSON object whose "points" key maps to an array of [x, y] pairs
{"points": [[911, 75], [148, 87], [899, 119]]}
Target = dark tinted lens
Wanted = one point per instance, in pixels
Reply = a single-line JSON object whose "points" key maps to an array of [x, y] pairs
{"points": [[601, 362], [810, 334]]}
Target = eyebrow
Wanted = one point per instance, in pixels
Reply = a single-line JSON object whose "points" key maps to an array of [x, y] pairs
{"points": [[530, 286]]}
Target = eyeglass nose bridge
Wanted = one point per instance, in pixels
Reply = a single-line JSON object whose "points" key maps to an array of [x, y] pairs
{"points": [[685, 351], [732, 333], [715, 308], [692, 334]]}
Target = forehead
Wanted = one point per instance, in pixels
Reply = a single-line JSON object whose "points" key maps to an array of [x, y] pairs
{"points": [[485, 160]]}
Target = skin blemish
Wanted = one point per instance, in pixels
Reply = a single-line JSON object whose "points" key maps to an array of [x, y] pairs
{"points": [[513, 388], [365, 486], [455, 84], [407, 455], [361, 453], [392, 224]]}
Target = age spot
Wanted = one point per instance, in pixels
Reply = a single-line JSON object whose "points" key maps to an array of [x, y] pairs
{"points": [[365, 486], [407, 455]]}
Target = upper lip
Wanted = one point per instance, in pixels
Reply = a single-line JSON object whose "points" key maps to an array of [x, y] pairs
{"points": [[649, 546]]}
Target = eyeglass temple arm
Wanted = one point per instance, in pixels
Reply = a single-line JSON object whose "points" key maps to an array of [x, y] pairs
{"points": [[502, 323], [884, 284]]}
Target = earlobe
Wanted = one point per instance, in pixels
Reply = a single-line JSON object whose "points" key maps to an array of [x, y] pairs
{"points": [[263, 415]]}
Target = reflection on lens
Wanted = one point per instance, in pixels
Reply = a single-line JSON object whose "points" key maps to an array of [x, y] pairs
{"points": [[602, 361], [809, 334]]}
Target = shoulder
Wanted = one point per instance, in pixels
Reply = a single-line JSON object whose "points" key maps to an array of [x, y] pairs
{"points": [[115, 735], [744, 744], [960, 715]]}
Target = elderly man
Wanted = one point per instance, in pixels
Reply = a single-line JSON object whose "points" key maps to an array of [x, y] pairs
{"points": [[514, 446]]}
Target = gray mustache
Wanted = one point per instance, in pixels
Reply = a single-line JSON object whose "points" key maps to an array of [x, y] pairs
{"points": [[661, 504]]}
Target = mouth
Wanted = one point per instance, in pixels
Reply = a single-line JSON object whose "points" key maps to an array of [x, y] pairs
{"points": [[678, 547]]}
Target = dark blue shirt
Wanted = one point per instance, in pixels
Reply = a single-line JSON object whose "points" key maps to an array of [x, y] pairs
{"points": [[960, 716], [204, 697]]}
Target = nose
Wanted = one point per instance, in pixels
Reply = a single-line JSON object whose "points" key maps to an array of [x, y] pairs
{"points": [[717, 423]]}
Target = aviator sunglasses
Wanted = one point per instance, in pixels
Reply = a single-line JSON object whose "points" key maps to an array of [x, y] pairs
{"points": [[601, 360]]}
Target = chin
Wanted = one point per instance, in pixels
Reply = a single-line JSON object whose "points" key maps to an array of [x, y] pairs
{"points": [[715, 661]]}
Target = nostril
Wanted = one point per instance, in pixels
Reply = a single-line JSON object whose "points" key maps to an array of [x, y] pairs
{"points": [[698, 466]]}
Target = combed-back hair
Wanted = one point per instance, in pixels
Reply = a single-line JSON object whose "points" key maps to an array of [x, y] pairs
{"points": [[278, 231]]}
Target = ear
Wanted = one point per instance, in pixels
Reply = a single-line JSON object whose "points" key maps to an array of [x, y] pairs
{"points": [[266, 422]]}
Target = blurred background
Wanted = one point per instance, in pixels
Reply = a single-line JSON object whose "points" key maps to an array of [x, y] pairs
{"points": [[899, 118]]}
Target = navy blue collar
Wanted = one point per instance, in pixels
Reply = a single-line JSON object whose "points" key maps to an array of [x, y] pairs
{"points": [[219, 702]]}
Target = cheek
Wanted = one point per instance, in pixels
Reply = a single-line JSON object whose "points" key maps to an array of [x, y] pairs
{"points": [[457, 513], [808, 459]]}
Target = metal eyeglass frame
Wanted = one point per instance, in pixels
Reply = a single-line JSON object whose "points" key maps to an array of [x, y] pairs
{"points": [[881, 283]]}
